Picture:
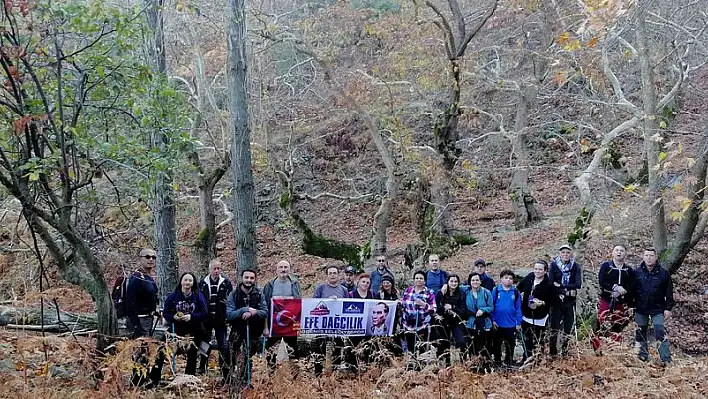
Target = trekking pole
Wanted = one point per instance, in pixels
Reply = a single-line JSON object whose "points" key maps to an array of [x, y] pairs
{"points": [[575, 327], [154, 326], [523, 343], [415, 337], [248, 354], [174, 354]]}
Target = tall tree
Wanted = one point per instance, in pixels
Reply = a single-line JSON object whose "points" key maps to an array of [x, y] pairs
{"points": [[458, 27], [163, 203], [63, 78], [208, 175], [687, 55], [245, 229]]}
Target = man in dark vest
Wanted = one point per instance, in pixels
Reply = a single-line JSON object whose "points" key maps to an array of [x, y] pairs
{"points": [[216, 289]]}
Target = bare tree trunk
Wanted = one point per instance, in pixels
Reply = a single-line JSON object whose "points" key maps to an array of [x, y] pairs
{"points": [[383, 214], [64, 321], [92, 282], [205, 243], [526, 208], [241, 145], [690, 230], [445, 132], [652, 146], [204, 248], [167, 264]]}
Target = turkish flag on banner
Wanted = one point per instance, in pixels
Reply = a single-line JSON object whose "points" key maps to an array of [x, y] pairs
{"points": [[285, 317]]}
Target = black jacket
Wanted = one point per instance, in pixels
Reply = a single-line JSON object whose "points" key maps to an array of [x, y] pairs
{"points": [[458, 304], [140, 297], [487, 282], [611, 275], [386, 296], [575, 282], [217, 313], [544, 291], [653, 290]]}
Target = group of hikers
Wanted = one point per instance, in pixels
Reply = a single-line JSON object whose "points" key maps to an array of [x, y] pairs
{"points": [[477, 316]]}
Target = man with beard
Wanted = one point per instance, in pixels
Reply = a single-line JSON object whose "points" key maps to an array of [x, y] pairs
{"points": [[246, 310], [348, 281]]}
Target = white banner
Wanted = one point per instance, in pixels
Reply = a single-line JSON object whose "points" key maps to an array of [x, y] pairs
{"points": [[347, 317]]}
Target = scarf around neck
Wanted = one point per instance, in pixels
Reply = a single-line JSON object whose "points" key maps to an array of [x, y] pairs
{"points": [[565, 269]]}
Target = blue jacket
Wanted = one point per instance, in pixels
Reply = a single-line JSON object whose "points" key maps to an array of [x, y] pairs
{"points": [[484, 303], [507, 307], [653, 290], [435, 281], [487, 282], [195, 305]]}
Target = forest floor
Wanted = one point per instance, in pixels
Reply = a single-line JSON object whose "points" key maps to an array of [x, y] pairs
{"points": [[70, 371], [62, 367]]}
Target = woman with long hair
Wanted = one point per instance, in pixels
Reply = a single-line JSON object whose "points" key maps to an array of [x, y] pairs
{"points": [[480, 304], [451, 314], [185, 310], [538, 298], [388, 291]]}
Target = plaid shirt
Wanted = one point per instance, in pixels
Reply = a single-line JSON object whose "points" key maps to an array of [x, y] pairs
{"points": [[416, 317]]}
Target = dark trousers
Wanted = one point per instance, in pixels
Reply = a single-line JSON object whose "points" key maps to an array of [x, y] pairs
{"points": [[320, 352], [221, 345], [146, 374], [447, 336], [242, 339], [504, 339], [143, 329], [562, 319], [356, 350], [192, 353], [416, 340], [533, 338], [480, 343]]}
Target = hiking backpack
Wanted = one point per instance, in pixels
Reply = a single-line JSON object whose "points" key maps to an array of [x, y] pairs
{"points": [[120, 289], [495, 293]]}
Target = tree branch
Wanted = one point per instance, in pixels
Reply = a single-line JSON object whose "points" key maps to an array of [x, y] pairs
{"points": [[463, 46]]}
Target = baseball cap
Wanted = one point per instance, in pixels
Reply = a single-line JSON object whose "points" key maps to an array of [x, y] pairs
{"points": [[350, 270], [565, 246], [480, 261]]}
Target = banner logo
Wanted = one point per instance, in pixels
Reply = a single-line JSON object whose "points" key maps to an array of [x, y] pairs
{"points": [[320, 310], [353, 307]]}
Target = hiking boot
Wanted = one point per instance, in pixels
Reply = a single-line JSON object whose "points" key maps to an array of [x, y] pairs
{"points": [[643, 357]]}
